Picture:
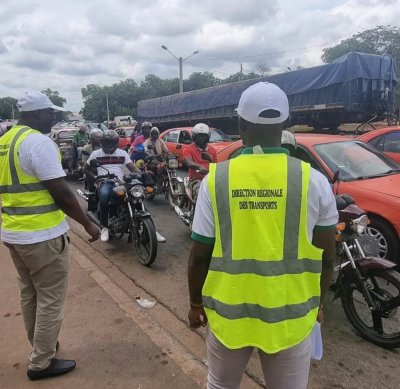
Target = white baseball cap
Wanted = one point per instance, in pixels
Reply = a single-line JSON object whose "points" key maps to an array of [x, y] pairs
{"points": [[260, 97], [33, 101]]}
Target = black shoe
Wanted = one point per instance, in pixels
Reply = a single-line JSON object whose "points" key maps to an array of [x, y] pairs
{"points": [[57, 367]]}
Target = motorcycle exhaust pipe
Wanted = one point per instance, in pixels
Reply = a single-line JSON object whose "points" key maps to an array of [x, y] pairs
{"points": [[182, 215]]}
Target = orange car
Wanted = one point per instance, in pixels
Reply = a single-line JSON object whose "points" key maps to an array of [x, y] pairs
{"points": [[124, 136], [386, 139], [368, 175], [177, 138]]}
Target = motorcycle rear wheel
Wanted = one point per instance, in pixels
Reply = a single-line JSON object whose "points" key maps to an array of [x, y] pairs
{"points": [[383, 285], [146, 242]]}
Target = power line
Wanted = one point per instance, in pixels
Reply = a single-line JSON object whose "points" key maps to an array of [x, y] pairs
{"points": [[264, 54]]}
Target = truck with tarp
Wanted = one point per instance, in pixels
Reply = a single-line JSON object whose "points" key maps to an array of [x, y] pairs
{"points": [[355, 88]]}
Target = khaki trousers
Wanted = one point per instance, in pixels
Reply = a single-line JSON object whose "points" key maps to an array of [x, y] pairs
{"points": [[287, 369], [43, 279]]}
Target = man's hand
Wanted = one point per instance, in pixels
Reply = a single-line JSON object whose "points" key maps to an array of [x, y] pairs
{"points": [[93, 231], [206, 156], [197, 317], [203, 170]]}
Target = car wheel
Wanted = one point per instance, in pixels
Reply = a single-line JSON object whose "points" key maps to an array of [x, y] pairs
{"points": [[379, 240]]}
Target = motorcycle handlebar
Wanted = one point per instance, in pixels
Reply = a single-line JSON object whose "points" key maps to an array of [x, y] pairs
{"points": [[101, 177]]}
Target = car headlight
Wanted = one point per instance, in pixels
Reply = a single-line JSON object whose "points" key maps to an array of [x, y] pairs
{"points": [[360, 224], [137, 191]]}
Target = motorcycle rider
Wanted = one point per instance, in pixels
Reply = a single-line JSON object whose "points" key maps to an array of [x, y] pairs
{"points": [[198, 156], [155, 146], [94, 144], [113, 159], [80, 139], [140, 138]]}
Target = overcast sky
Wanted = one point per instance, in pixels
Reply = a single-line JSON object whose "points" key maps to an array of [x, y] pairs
{"points": [[66, 44]]}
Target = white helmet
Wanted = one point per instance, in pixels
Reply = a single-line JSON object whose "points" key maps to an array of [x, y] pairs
{"points": [[96, 132], [200, 128]]}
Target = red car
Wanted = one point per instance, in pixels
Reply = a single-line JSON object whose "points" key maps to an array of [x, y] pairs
{"points": [[177, 138], [124, 136], [368, 175], [386, 139]]}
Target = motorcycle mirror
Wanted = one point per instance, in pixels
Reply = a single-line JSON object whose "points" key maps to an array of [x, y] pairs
{"points": [[335, 179], [95, 163]]}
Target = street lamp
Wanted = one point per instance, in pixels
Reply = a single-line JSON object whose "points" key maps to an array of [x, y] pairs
{"points": [[181, 61], [108, 111]]}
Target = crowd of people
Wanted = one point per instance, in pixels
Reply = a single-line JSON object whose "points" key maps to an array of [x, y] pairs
{"points": [[257, 278]]}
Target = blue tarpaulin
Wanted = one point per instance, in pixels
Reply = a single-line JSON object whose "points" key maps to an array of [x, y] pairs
{"points": [[354, 82]]}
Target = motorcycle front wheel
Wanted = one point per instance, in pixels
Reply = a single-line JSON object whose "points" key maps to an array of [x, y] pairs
{"points": [[176, 196], [380, 326], [145, 241]]}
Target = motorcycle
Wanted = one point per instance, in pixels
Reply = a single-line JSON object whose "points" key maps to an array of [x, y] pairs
{"points": [[164, 180], [127, 214], [369, 287], [187, 205]]}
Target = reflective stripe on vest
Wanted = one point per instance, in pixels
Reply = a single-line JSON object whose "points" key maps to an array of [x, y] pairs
{"points": [[26, 203], [16, 186], [240, 318]]}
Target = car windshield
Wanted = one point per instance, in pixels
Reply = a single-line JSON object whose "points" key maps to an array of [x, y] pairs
{"points": [[218, 136], [355, 160], [128, 132]]}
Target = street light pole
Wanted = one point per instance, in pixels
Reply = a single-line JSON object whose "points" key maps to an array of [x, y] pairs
{"points": [[180, 61], [108, 111]]}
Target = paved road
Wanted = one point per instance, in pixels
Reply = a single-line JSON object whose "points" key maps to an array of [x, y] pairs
{"points": [[349, 362]]}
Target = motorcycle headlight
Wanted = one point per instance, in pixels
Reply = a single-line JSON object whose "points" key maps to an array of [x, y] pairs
{"points": [[137, 192], [173, 164], [360, 224], [119, 190]]}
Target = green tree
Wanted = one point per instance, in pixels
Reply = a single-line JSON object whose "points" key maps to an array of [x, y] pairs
{"points": [[58, 100], [379, 40], [200, 80], [7, 107]]}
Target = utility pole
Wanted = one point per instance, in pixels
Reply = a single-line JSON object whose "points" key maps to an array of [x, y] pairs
{"points": [[108, 111], [12, 110], [241, 72], [180, 60]]}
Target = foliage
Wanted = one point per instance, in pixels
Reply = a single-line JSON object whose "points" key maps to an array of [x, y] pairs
{"points": [[58, 100], [7, 105], [378, 40]]}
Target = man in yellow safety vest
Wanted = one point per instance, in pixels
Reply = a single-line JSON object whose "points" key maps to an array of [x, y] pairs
{"points": [[35, 199], [263, 251]]}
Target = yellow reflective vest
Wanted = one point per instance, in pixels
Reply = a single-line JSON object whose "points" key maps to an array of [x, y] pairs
{"points": [[263, 284], [26, 204]]}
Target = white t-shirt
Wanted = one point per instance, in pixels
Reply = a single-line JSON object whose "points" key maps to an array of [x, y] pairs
{"points": [[38, 157], [322, 210], [114, 162]]}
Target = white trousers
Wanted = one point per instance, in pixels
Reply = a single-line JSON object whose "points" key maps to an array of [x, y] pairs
{"points": [[287, 369]]}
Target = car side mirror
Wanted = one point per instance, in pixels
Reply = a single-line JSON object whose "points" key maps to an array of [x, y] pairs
{"points": [[336, 176]]}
